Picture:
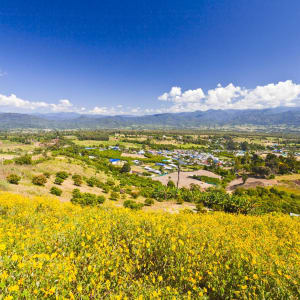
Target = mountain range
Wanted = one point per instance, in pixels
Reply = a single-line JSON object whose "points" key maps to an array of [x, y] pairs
{"points": [[281, 116]]}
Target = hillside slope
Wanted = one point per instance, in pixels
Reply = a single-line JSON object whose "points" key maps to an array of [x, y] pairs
{"points": [[52, 249]]}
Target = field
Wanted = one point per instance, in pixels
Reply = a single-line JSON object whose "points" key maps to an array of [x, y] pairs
{"points": [[185, 180], [57, 250]]}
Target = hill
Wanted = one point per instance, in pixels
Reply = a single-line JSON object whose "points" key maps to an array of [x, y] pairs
{"points": [[288, 117], [58, 250]]}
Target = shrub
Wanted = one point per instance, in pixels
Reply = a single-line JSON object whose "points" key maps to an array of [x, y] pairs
{"points": [[134, 194], [58, 181], [62, 174], [105, 189], [133, 205], [39, 180], [110, 182], [56, 191], [77, 180], [114, 196], [93, 181], [86, 198], [171, 184], [13, 179], [24, 160], [149, 202], [100, 199]]}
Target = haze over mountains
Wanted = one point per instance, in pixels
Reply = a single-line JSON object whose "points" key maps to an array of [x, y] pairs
{"points": [[214, 118]]}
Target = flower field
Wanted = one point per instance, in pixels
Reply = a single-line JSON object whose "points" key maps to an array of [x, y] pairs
{"points": [[58, 250]]}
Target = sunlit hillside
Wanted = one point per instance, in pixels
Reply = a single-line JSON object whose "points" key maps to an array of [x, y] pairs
{"points": [[52, 249]]}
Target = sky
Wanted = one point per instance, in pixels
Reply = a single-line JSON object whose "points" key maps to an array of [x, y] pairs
{"points": [[144, 57]]}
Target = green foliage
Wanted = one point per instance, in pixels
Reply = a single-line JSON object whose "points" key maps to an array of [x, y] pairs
{"points": [[62, 174], [24, 160], [218, 199], [13, 179], [244, 178], [77, 180], [133, 205], [85, 199], [92, 181], [149, 202], [171, 184], [125, 168], [56, 191], [271, 200], [114, 196], [39, 180], [58, 181]]}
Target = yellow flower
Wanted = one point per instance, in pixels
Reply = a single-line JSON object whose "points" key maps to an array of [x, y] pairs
{"points": [[15, 257], [79, 288], [13, 288]]}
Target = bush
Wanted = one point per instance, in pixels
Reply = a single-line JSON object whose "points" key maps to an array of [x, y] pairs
{"points": [[149, 202], [86, 198], [39, 180], [93, 181], [77, 180], [55, 191], [13, 179], [58, 181], [110, 182], [114, 196], [134, 194], [24, 160], [62, 174], [132, 205]]}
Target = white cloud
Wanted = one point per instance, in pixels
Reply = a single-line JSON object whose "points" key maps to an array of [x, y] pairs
{"points": [[175, 95], [14, 103], [284, 93]]}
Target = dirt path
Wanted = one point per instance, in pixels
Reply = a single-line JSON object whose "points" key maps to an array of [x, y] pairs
{"points": [[250, 183]]}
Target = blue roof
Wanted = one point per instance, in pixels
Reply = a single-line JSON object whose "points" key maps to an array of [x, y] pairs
{"points": [[114, 159]]}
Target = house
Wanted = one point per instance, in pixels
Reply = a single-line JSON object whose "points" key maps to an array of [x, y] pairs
{"points": [[114, 161]]}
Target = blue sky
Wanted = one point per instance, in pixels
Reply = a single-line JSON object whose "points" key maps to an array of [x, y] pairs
{"points": [[120, 57]]}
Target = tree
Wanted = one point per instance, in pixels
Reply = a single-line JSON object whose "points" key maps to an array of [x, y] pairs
{"points": [[230, 145], [125, 168], [13, 179], [244, 177], [245, 146]]}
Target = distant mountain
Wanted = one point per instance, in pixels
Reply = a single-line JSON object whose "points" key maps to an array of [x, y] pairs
{"points": [[211, 118]]}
